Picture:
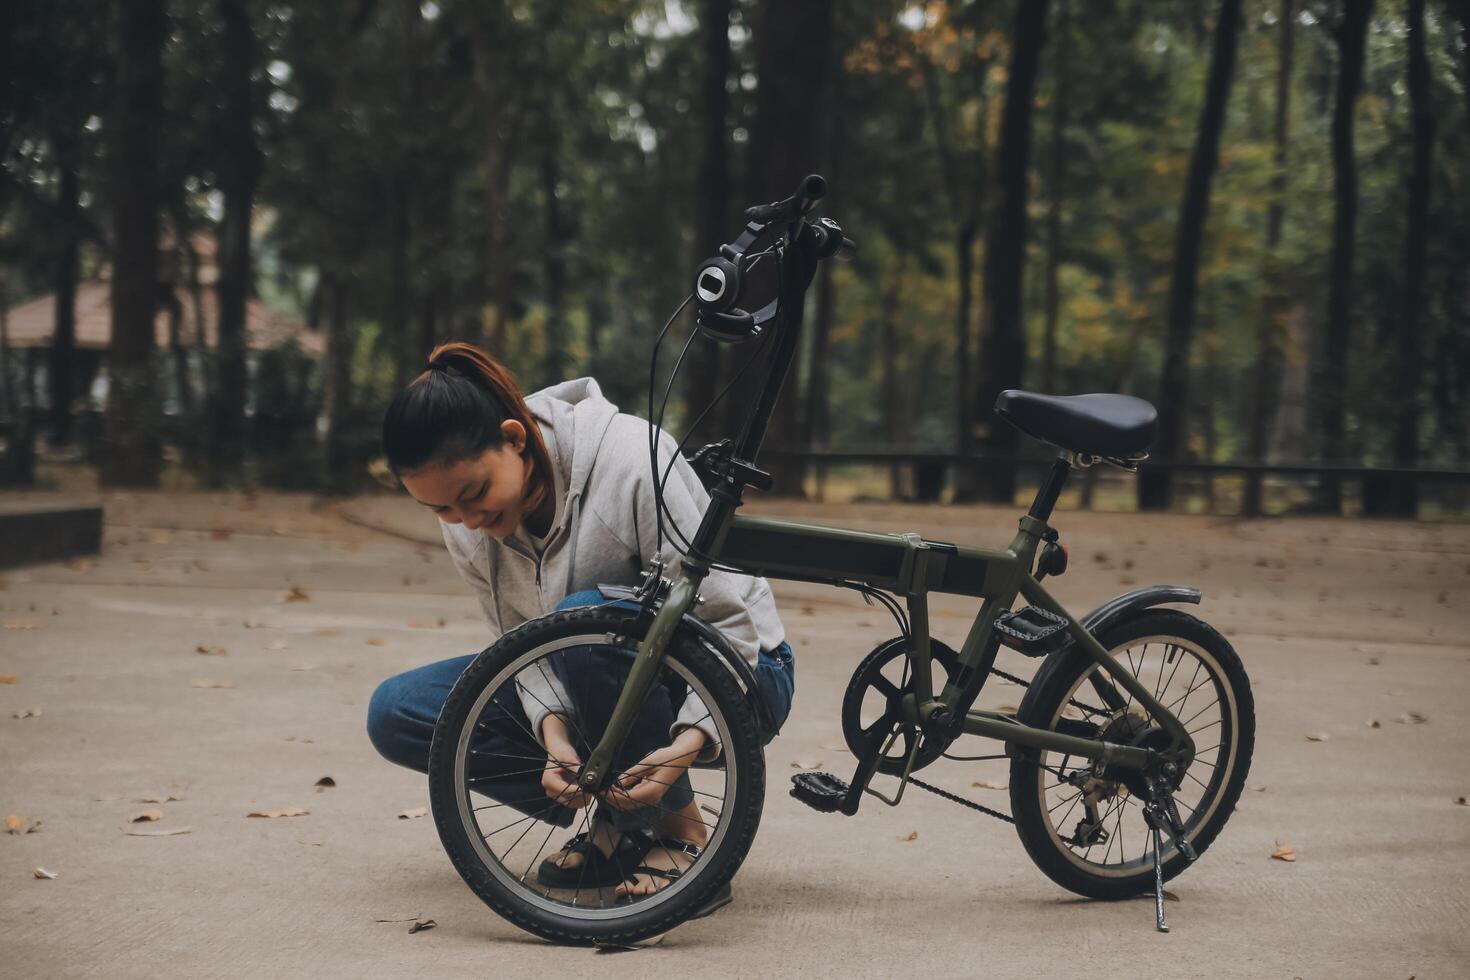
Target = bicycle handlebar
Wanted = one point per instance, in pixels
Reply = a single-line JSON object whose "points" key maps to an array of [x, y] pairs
{"points": [[718, 281]]}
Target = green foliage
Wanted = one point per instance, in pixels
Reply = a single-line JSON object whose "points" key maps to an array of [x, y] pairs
{"points": [[414, 151]]}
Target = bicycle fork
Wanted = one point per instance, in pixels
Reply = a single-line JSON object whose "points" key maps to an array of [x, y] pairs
{"points": [[667, 602]]}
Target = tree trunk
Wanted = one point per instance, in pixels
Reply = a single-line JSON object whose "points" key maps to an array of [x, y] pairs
{"points": [[130, 456], [1154, 484], [554, 261], [1331, 383], [1062, 67], [965, 193], [239, 171], [63, 365], [336, 386], [1003, 354], [889, 355], [792, 60], [817, 426], [705, 378], [1271, 336], [1405, 494]]}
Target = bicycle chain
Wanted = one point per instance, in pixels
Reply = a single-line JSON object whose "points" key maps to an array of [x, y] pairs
{"points": [[955, 797]]}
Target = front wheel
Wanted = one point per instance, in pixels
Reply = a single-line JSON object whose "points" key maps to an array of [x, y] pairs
{"points": [[498, 826], [1084, 828]]}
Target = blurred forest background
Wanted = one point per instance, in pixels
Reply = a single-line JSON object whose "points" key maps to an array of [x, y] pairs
{"points": [[231, 229]]}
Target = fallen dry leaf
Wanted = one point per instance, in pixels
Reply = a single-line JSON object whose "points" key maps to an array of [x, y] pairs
{"points": [[9, 679], [44, 874], [1284, 852], [147, 816], [210, 682], [1411, 718], [1168, 896], [1319, 737], [210, 650], [327, 631], [806, 766], [27, 713], [418, 811], [1373, 723], [24, 624], [375, 641], [161, 798], [296, 594], [423, 624], [913, 835], [14, 823], [160, 831], [421, 925], [601, 946], [989, 784], [290, 811]]}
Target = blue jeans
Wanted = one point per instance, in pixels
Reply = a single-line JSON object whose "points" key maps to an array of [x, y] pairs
{"points": [[405, 707]]}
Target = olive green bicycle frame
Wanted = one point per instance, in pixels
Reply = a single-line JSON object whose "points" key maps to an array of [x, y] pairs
{"points": [[905, 564]]}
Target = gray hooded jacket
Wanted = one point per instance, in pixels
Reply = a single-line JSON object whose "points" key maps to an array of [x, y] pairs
{"points": [[604, 532]]}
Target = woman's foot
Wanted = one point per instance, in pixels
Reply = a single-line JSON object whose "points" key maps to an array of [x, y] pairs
{"points": [[680, 837], [665, 861], [603, 836]]}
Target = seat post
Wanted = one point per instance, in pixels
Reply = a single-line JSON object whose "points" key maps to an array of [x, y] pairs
{"points": [[1050, 489]]}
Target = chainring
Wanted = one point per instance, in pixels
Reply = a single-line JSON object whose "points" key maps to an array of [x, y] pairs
{"points": [[869, 677]]}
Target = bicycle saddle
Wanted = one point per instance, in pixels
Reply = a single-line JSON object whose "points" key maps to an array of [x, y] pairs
{"points": [[1110, 426]]}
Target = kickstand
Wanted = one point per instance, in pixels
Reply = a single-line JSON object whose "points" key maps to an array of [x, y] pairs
{"points": [[1158, 881]]}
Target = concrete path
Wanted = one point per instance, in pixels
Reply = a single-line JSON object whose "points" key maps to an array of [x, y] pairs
{"points": [[1339, 623]]}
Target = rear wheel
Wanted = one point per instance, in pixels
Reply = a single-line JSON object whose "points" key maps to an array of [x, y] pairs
{"points": [[1084, 828], [498, 837]]}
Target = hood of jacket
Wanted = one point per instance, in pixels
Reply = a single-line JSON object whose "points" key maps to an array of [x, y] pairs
{"points": [[574, 417]]}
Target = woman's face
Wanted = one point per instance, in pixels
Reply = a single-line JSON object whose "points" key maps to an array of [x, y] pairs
{"points": [[484, 493]]}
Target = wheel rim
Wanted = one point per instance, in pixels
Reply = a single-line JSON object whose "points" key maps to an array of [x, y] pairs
{"points": [[1198, 694], [515, 864]]}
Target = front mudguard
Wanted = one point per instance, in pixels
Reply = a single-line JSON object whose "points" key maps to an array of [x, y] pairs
{"points": [[716, 641]]}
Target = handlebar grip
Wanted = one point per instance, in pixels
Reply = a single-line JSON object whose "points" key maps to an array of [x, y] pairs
{"points": [[812, 189]]}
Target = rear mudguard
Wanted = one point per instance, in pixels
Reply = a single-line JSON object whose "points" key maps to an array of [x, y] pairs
{"points": [[717, 642], [1115, 610]]}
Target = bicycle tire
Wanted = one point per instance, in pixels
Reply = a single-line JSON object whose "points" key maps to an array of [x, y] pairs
{"points": [[729, 842], [1043, 707]]}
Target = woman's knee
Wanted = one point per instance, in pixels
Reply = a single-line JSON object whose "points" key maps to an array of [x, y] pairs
{"points": [[387, 723]]}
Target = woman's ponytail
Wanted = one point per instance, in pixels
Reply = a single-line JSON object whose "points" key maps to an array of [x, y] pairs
{"points": [[453, 411]]}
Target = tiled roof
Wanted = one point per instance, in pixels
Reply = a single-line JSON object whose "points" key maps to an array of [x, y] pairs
{"points": [[31, 324]]}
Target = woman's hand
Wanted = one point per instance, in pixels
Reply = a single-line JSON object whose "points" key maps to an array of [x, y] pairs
{"points": [[559, 780], [647, 782]]}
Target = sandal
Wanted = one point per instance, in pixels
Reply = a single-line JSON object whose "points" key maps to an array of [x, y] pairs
{"points": [[595, 869], [718, 900]]}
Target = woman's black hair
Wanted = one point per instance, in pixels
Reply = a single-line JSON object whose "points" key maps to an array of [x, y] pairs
{"points": [[453, 411]]}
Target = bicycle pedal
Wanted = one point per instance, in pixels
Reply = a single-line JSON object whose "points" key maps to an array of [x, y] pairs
{"points": [[819, 790], [1032, 631]]}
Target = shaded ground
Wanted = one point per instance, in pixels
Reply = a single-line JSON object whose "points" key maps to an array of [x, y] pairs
{"points": [[1338, 623]]}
